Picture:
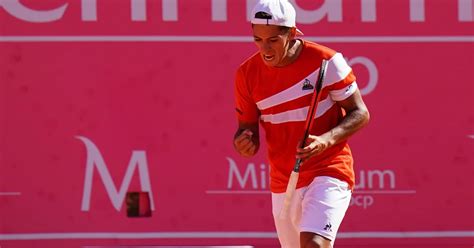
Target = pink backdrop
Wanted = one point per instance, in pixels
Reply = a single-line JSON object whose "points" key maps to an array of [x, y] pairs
{"points": [[98, 98]]}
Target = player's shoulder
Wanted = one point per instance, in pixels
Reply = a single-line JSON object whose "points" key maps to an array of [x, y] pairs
{"points": [[252, 62], [318, 50]]}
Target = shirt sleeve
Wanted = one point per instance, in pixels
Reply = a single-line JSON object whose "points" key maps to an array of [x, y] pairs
{"points": [[340, 79], [342, 94], [245, 106]]}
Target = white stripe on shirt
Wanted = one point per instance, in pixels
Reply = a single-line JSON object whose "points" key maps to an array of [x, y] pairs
{"points": [[298, 114], [338, 69]]}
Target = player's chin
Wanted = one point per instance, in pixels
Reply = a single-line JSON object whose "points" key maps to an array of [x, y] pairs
{"points": [[271, 64]]}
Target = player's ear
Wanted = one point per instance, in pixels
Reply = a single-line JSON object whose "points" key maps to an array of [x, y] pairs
{"points": [[292, 34]]}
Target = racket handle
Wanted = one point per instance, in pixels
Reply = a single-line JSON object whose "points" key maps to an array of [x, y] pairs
{"points": [[290, 190]]}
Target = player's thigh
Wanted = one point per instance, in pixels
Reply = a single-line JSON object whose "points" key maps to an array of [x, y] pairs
{"points": [[324, 205], [288, 228], [313, 240]]}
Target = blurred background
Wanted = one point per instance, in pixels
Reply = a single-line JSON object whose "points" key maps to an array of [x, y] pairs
{"points": [[102, 98]]}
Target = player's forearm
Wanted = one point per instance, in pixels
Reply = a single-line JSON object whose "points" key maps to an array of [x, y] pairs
{"points": [[352, 122]]}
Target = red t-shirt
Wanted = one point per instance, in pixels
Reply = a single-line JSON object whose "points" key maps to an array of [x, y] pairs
{"points": [[279, 98]]}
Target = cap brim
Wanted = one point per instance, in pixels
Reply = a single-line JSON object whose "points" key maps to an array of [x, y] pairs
{"points": [[298, 32]]}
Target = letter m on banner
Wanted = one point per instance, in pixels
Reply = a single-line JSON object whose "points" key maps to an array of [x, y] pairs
{"points": [[117, 197]]}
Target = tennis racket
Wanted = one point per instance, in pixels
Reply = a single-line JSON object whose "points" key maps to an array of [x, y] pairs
{"points": [[291, 187]]}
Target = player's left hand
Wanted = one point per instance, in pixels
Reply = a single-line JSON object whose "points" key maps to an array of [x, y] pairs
{"points": [[314, 145]]}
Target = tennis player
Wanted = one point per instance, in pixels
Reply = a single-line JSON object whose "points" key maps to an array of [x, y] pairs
{"points": [[274, 87]]}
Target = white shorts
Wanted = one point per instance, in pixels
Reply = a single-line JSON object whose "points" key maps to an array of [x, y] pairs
{"points": [[318, 208]]}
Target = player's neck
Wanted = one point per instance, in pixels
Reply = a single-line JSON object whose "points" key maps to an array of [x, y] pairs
{"points": [[293, 52]]}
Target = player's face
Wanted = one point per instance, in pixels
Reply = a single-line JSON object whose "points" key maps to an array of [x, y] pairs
{"points": [[272, 44]]}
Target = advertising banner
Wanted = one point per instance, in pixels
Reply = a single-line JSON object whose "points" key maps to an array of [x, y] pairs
{"points": [[99, 98]]}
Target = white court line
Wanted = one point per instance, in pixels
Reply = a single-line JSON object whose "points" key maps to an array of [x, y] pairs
{"points": [[243, 192], [10, 193], [217, 38], [416, 234], [221, 235]]}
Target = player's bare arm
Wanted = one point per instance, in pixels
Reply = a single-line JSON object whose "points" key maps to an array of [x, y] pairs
{"points": [[246, 139], [357, 116]]}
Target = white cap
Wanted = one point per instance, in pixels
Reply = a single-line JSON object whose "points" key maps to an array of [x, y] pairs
{"points": [[274, 12]]}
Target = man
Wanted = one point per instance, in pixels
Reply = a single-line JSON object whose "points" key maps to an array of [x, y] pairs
{"points": [[274, 87]]}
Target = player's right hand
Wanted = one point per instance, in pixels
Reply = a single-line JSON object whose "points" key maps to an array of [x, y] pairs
{"points": [[244, 144]]}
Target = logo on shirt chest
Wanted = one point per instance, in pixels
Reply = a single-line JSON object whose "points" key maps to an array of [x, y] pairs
{"points": [[307, 85]]}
